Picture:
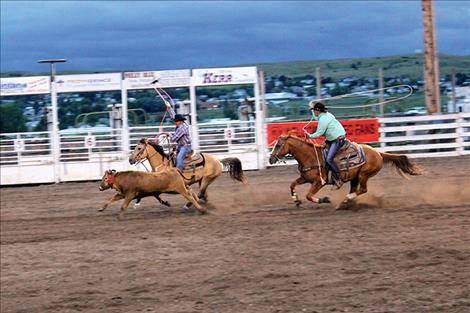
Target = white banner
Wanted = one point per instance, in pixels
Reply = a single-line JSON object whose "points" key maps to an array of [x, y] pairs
{"points": [[13, 86], [224, 76], [166, 79], [88, 82]]}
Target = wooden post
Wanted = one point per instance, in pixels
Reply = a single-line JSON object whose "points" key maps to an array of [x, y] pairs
{"points": [[431, 62]]}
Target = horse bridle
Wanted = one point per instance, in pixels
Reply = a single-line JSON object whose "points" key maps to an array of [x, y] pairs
{"points": [[143, 159], [278, 150]]}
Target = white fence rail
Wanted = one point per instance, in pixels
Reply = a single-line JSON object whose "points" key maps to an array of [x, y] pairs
{"points": [[26, 158], [426, 136]]}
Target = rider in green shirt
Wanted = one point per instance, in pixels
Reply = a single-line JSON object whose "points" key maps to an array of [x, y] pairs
{"points": [[335, 134]]}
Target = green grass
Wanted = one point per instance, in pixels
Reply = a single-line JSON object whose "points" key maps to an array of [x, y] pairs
{"points": [[394, 66]]}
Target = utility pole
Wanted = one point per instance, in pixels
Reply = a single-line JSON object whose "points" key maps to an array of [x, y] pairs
{"points": [[381, 91], [318, 79], [431, 58], [454, 98]]}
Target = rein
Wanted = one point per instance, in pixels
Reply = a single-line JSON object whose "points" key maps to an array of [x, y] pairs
{"points": [[319, 166], [316, 152]]}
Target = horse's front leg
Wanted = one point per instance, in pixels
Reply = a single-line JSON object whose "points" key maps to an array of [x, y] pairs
{"points": [[293, 194], [316, 186]]}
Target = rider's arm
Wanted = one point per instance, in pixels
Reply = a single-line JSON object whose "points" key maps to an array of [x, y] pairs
{"points": [[179, 132], [321, 128]]}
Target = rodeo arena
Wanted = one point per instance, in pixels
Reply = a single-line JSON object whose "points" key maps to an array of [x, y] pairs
{"points": [[100, 220]]}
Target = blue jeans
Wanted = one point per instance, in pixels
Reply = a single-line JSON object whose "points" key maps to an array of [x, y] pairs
{"points": [[180, 157], [330, 159]]}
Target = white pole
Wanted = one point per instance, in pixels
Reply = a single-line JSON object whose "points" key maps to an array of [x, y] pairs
{"points": [[260, 138], [125, 141], [55, 127], [193, 112]]}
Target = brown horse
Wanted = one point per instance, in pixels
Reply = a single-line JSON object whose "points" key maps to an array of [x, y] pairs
{"points": [[212, 168], [312, 167]]}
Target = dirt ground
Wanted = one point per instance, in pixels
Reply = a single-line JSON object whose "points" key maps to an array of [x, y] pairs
{"points": [[404, 248]]}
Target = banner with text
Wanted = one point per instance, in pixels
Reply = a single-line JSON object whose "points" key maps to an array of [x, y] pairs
{"points": [[88, 82], [356, 130], [166, 79], [14, 86], [224, 76]]}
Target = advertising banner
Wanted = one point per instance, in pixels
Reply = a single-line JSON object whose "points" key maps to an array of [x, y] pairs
{"points": [[356, 130], [224, 76], [166, 79], [14, 86], [88, 82]]}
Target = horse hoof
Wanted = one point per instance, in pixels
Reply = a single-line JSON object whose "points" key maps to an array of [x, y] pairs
{"points": [[101, 210], [344, 205], [325, 200], [298, 203], [166, 203]]}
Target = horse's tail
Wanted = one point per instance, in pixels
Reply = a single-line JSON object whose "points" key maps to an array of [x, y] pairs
{"points": [[402, 163], [234, 167]]}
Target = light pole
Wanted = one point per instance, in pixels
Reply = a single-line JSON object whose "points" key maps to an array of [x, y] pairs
{"points": [[55, 118]]}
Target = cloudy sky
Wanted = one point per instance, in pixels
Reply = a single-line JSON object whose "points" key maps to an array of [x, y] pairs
{"points": [[148, 35]]}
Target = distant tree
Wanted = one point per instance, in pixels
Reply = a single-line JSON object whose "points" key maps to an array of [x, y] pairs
{"points": [[338, 90], [11, 119], [230, 111]]}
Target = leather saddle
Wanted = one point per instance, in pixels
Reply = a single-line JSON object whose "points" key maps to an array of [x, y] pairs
{"points": [[350, 155], [192, 162]]}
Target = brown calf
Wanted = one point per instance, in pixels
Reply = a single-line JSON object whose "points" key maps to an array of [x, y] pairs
{"points": [[130, 185]]}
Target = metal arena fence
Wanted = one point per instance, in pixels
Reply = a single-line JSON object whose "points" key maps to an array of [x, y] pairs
{"points": [[27, 158]]}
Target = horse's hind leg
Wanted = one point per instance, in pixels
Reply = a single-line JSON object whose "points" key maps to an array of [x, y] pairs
{"points": [[192, 198], [205, 182], [353, 192]]}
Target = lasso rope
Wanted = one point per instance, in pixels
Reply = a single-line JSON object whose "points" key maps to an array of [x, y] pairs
{"points": [[364, 92], [306, 134]]}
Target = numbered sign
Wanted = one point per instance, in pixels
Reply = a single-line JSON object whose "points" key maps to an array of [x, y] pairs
{"points": [[229, 133], [19, 145], [90, 141]]}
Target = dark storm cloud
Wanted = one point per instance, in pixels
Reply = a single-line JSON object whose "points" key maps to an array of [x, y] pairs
{"points": [[168, 35]]}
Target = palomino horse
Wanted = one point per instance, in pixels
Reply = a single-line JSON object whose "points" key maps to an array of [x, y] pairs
{"points": [[205, 175], [312, 168]]}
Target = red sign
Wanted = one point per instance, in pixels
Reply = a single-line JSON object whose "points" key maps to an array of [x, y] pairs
{"points": [[356, 130]]}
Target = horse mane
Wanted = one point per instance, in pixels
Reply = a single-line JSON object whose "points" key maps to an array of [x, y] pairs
{"points": [[311, 144], [157, 147]]}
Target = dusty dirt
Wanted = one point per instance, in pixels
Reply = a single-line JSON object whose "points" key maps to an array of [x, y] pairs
{"points": [[404, 248]]}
